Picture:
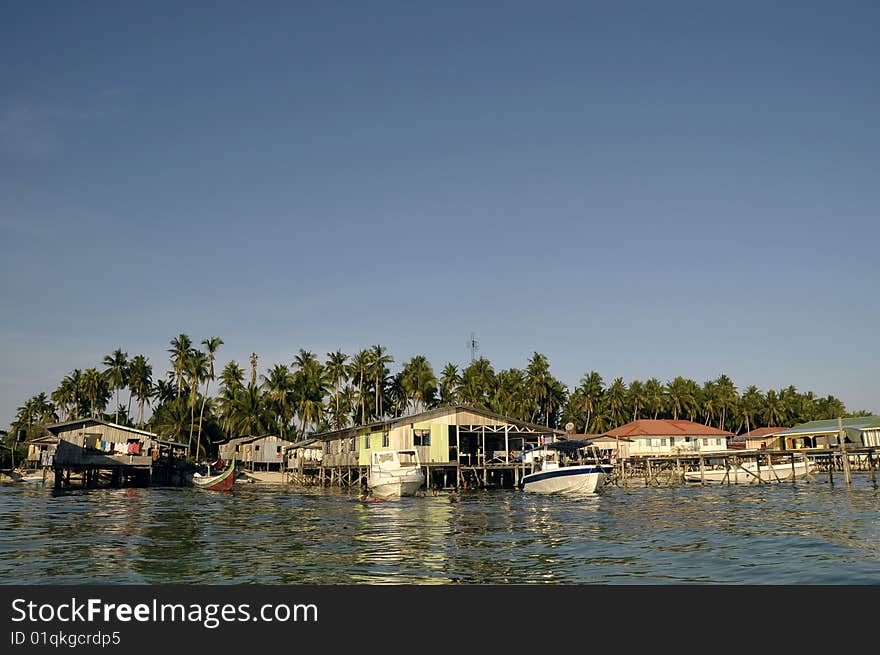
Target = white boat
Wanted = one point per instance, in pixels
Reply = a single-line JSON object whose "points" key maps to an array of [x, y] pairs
{"points": [[395, 473], [555, 472], [752, 472]]}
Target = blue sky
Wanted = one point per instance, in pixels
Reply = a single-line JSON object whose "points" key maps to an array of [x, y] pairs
{"points": [[638, 188]]}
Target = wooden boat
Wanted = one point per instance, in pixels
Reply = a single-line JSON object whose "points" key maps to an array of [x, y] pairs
{"points": [[220, 482], [395, 473], [558, 468], [751, 473]]}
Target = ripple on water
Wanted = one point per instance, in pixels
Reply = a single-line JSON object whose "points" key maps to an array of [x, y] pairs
{"points": [[744, 534]]}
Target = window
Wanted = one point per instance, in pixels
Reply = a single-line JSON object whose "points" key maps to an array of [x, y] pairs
{"points": [[367, 441], [352, 444], [663, 442], [385, 440], [421, 437], [277, 449], [718, 442], [326, 447], [705, 442], [256, 449]]}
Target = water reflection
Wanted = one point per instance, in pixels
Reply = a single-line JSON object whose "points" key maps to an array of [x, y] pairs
{"points": [[768, 534]]}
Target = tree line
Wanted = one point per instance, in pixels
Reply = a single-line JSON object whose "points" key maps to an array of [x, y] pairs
{"points": [[309, 395]]}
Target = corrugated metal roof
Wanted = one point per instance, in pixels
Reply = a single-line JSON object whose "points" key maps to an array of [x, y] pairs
{"points": [[830, 426], [65, 424]]}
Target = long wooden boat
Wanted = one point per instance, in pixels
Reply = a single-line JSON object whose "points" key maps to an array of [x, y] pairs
{"points": [[220, 482]]}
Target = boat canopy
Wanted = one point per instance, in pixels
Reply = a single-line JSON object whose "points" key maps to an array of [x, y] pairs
{"points": [[565, 446]]}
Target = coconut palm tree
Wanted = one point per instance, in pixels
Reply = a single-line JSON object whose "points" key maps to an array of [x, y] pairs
{"points": [[337, 375], [254, 360], [211, 345], [616, 396], [140, 381], [64, 397], [751, 406], [249, 414], [450, 381], [378, 371], [196, 369], [774, 411], [278, 387], [181, 346], [360, 364], [637, 398], [591, 388], [727, 397], [96, 389], [116, 372], [478, 383], [419, 382], [654, 397], [510, 395]]}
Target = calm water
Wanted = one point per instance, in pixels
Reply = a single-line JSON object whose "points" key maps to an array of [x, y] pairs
{"points": [[771, 534]]}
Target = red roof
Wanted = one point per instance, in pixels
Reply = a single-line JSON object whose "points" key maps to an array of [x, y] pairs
{"points": [[762, 432], [666, 428]]}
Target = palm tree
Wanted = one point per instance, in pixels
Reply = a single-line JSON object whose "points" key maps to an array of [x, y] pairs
{"points": [[510, 394], [591, 392], [181, 346], [727, 396], [196, 369], [254, 369], [450, 381], [654, 396], [709, 398], [211, 345], [337, 375], [64, 397], [116, 371], [774, 409], [278, 385], [140, 381], [750, 406], [378, 360], [171, 418], [538, 383], [94, 386], [616, 397], [678, 396], [637, 398], [418, 382], [249, 414], [478, 383], [360, 363]]}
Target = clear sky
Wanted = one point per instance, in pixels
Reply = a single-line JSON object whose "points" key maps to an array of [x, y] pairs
{"points": [[640, 188]]}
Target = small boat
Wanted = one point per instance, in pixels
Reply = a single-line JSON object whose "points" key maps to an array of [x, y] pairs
{"points": [[751, 472], [558, 469], [35, 476], [395, 473], [221, 482]]}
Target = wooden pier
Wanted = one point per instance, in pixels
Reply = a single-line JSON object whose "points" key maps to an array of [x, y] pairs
{"points": [[665, 470], [644, 471]]}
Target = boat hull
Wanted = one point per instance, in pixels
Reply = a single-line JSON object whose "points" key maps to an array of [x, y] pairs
{"points": [[394, 484], [750, 473], [568, 479], [221, 482]]}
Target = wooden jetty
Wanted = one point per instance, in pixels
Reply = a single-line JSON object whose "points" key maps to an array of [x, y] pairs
{"points": [[664, 470]]}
